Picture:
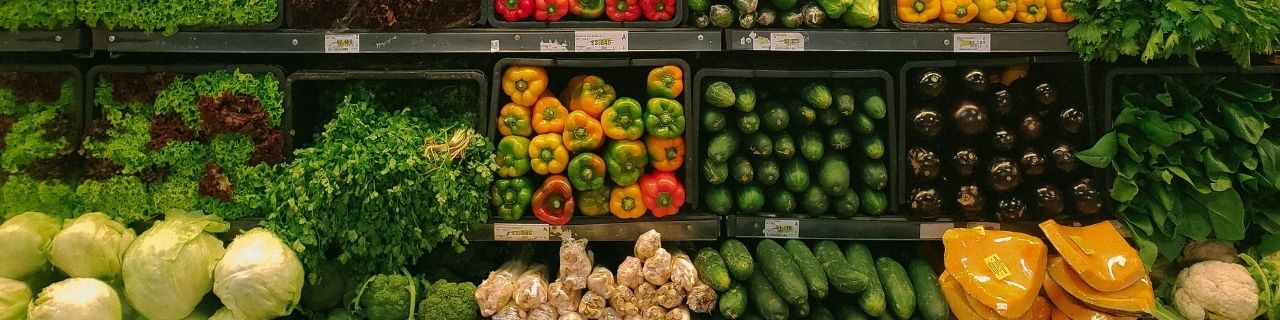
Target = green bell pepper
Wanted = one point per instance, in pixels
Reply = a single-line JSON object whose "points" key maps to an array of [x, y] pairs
{"points": [[664, 118], [511, 197], [512, 156], [624, 120], [586, 172], [593, 203], [625, 161]]}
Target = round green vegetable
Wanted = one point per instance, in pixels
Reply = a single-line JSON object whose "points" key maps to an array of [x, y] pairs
{"points": [[817, 94], [741, 170], [811, 145], [815, 201], [713, 121], [839, 139], [750, 199], [699, 5], [846, 205], [767, 172], [749, 123], [715, 172], [774, 116], [746, 100], [719, 93], [719, 200], [783, 202], [738, 259], [783, 146], [760, 146], [833, 176], [795, 176]]}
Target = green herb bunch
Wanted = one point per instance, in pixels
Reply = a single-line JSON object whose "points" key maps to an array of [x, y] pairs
{"points": [[1152, 30], [1184, 150]]}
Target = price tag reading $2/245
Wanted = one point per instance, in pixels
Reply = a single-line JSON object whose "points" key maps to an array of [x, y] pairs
{"points": [[781, 228], [342, 43], [521, 232], [601, 41], [786, 41]]}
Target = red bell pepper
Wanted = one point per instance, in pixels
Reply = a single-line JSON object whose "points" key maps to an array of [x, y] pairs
{"points": [[658, 10], [551, 10], [662, 192], [553, 202], [622, 10], [513, 10]]}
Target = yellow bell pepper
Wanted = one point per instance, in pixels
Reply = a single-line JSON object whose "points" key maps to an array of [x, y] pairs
{"points": [[591, 95], [547, 154], [996, 11], [524, 84], [1058, 12], [1031, 11], [626, 202], [959, 11], [514, 120], [549, 116], [919, 11]]}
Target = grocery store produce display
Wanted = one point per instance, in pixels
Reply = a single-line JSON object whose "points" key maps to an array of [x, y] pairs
{"points": [[585, 13], [1153, 31], [38, 14], [982, 14], [789, 14], [39, 134], [169, 15], [403, 15]]}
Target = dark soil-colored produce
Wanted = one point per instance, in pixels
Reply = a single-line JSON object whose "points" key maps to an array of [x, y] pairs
{"points": [[231, 113], [6, 124], [58, 127], [168, 127], [100, 169], [415, 15], [268, 148], [215, 183], [58, 168], [98, 128], [154, 175], [137, 87], [34, 86]]}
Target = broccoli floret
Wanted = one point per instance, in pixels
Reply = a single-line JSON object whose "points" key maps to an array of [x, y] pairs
{"points": [[388, 297], [449, 301], [342, 314]]}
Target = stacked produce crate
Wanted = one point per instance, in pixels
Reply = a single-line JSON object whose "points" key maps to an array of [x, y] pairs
{"points": [[40, 129]]}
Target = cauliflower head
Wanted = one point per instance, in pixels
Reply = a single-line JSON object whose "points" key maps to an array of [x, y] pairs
{"points": [[1216, 290], [387, 297], [449, 301]]}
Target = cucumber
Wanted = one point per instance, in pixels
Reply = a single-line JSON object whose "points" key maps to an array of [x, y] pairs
{"points": [[760, 146], [815, 201], [846, 205], [750, 199], [871, 300], [873, 147], [795, 176], [749, 123], [783, 146], [872, 103], [774, 116], [714, 121], [767, 172], [873, 202], [839, 139], [733, 302], [746, 100], [740, 169], [811, 145], [719, 93], [899, 295], [800, 311], [840, 274], [809, 268], [875, 175], [833, 176], [818, 311], [737, 258], [719, 200], [847, 311], [817, 95], [932, 306], [782, 271], [829, 117], [863, 124], [768, 303], [802, 116], [783, 202], [711, 269], [722, 146], [845, 101], [715, 172]]}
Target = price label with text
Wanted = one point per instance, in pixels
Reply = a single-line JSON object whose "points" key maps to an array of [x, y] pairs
{"points": [[971, 42], [601, 41], [786, 41], [934, 230], [553, 46], [521, 232], [342, 43], [984, 225], [781, 228]]}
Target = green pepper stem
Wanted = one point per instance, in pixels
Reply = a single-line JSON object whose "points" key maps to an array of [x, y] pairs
{"points": [[521, 85], [918, 7], [556, 203], [664, 199], [628, 203]]}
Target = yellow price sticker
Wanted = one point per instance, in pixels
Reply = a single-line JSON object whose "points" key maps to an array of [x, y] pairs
{"points": [[997, 266], [1084, 246]]}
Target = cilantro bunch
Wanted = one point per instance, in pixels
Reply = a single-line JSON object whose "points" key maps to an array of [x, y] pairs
{"points": [[1153, 30]]}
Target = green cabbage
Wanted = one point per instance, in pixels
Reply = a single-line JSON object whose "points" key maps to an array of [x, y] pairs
{"points": [[14, 296], [259, 277], [26, 241], [225, 314], [90, 246], [169, 268], [76, 298]]}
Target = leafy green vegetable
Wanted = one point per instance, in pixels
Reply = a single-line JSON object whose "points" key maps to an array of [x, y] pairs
{"points": [[171, 14], [167, 269], [20, 193], [1266, 273], [445, 300], [125, 198], [1153, 30], [47, 14], [388, 297], [26, 245], [90, 246], [259, 277]]}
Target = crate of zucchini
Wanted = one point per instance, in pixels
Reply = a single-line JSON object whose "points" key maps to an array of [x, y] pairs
{"points": [[790, 14], [806, 142], [1000, 136], [598, 136], [820, 280], [41, 115], [181, 137], [172, 15]]}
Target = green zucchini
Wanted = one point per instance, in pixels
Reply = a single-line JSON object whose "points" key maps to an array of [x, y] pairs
{"points": [[899, 295], [842, 276], [746, 100], [733, 302], [738, 259], [872, 103], [711, 269], [932, 305], [719, 93], [810, 268], [871, 300], [782, 271], [767, 302]]}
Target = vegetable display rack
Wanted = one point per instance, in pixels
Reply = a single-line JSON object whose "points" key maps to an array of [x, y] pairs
{"points": [[41, 125], [601, 18], [273, 24], [407, 15]]}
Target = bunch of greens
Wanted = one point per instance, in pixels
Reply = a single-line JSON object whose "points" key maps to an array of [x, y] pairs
{"points": [[1184, 150], [384, 184], [1151, 30], [36, 150], [48, 14], [171, 14]]}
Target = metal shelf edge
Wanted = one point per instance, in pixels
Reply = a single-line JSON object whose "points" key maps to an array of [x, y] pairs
{"points": [[452, 41], [869, 229], [42, 40], [692, 228], [901, 41]]}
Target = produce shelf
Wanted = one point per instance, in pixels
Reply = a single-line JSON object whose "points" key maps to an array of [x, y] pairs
{"points": [[452, 41], [42, 40], [895, 41], [869, 228], [676, 228]]}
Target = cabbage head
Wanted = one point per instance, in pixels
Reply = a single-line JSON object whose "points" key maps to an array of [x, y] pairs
{"points": [[76, 298], [90, 246], [26, 242], [259, 277], [14, 296], [169, 268], [223, 314]]}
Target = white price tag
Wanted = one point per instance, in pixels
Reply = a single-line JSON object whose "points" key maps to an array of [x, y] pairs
{"points": [[494, 46], [971, 42], [757, 41], [342, 43], [521, 232], [984, 225], [601, 41], [552, 46], [781, 228], [934, 230], [786, 41]]}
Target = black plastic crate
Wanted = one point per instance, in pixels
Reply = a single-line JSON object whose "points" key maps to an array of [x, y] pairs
{"points": [[487, 11], [633, 85], [890, 138], [290, 18], [975, 25], [1071, 78]]}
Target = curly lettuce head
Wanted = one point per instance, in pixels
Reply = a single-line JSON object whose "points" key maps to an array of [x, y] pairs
{"points": [[169, 268], [90, 246], [26, 241], [14, 296], [259, 277], [76, 298]]}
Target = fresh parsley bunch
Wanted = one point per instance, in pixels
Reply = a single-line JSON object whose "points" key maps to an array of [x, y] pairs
{"points": [[1152, 30]]}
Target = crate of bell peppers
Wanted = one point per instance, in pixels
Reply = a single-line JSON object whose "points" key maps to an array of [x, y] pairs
{"points": [[585, 13], [981, 15], [596, 138]]}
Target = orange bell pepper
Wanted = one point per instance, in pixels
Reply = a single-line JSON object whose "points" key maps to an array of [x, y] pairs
{"points": [[514, 120], [665, 82], [524, 84], [626, 202], [666, 154], [592, 96], [582, 132], [547, 154], [919, 11], [549, 116], [959, 11], [996, 11], [1031, 11], [1058, 12]]}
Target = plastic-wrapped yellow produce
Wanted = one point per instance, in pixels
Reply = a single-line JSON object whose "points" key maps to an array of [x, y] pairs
{"points": [[1136, 300], [1002, 270], [1102, 257], [1072, 307], [963, 306]]}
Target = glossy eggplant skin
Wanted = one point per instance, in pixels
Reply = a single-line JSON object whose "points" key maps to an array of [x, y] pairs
{"points": [[964, 161], [1031, 126], [1087, 199], [1049, 201], [924, 163], [1071, 120], [925, 203], [1000, 100], [1010, 209], [926, 122], [1032, 162], [1064, 157], [969, 117], [1003, 140], [970, 202], [1045, 93], [975, 80], [931, 83], [1004, 175]]}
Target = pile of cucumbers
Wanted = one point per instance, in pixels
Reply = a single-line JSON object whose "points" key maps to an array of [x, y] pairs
{"points": [[796, 281], [805, 147]]}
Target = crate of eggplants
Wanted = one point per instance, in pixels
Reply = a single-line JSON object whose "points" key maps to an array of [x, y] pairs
{"points": [[788, 14], [997, 141]]}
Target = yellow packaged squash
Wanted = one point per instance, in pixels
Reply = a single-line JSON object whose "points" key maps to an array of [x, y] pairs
{"points": [[1136, 300], [1072, 308], [964, 307], [1002, 270], [1098, 253]]}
